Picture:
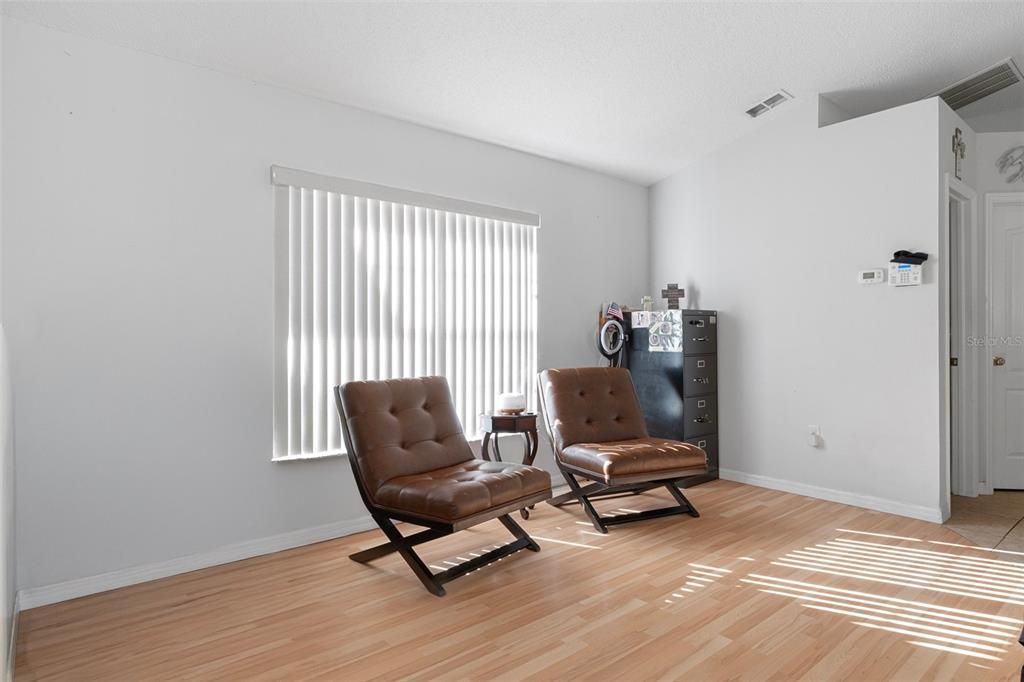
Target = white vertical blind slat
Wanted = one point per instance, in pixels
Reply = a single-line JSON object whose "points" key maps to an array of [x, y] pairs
{"points": [[294, 320], [470, 405], [514, 318], [306, 330], [502, 307], [282, 303], [449, 295], [384, 259], [408, 253], [440, 333], [418, 286], [372, 289], [428, 292], [319, 385], [496, 294], [487, 320], [347, 288], [459, 387], [522, 315], [359, 345], [397, 264], [334, 314], [479, 397]]}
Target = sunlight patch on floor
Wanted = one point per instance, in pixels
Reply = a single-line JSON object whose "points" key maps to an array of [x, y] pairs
{"points": [[960, 631], [877, 535], [982, 578], [564, 542], [980, 549], [700, 576]]}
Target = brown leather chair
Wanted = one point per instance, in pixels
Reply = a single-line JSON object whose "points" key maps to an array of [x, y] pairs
{"points": [[412, 463], [598, 433]]}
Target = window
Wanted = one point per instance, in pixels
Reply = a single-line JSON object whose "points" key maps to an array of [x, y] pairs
{"points": [[373, 282]]}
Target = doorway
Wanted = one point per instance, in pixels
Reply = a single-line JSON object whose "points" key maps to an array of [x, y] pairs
{"points": [[986, 336], [1004, 351], [965, 296]]}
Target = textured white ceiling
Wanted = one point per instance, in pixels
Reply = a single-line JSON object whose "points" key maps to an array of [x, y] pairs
{"points": [[633, 90]]}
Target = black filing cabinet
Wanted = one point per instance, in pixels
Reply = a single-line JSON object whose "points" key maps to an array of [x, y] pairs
{"points": [[678, 389]]}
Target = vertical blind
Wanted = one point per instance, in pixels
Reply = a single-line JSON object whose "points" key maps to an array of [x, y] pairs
{"points": [[376, 283]]}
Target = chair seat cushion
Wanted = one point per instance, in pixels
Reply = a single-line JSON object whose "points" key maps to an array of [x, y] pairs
{"points": [[640, 457], [462, 490]]}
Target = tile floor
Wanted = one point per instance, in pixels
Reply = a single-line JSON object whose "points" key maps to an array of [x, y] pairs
{"points": [[993, 521]]}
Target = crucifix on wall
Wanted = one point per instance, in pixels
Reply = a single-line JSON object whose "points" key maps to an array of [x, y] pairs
{"points": [[672, 293], [959, 152]]}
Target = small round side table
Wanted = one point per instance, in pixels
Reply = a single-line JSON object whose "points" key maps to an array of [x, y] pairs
{"points": [[525, 424]]}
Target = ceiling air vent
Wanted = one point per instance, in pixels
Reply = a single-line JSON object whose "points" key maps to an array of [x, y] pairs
{"points": [[991, 80], [769, 103]]}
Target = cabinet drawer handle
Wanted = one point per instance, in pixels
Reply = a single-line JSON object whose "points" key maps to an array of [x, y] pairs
{"points": [[702, 444], [699, 338], [697, 323], [702, 420], [701, 380]]}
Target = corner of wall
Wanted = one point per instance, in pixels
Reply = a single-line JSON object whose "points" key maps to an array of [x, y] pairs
{"points": [[829, 112], [12, 639], [8, 596]]}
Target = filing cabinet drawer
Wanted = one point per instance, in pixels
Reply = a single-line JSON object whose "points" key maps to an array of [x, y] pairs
{"points": [[700, 375], [700, 334], [708, 444], [700, 416]]}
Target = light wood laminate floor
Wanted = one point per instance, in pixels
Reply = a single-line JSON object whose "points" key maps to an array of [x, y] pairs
{"points": [[764, 586]]}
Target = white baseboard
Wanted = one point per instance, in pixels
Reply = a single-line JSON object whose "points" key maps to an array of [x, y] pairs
{"points": [[12, 640], [33, 597], [933, 515]]}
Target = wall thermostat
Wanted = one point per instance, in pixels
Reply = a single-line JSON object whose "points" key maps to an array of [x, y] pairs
{"points": [[876, 276], [904, 275]]}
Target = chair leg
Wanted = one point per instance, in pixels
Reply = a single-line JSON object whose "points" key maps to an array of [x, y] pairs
{"points": [[368, 555], [673, 488], [403, 546], [581, 495], [570, 497], [602, 491], [518, 532], [434, 582]]}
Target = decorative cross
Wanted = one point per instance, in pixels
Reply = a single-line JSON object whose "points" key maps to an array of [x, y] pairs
{"points": [[673, 293], [959, 152]]}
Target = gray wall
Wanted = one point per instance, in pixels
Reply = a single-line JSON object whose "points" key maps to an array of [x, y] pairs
{"points": [[138, 301], [772, 231], [7, 554]]}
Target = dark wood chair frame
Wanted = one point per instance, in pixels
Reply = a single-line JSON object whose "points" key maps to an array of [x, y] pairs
{"points": [[385, 518], [600, 487]]}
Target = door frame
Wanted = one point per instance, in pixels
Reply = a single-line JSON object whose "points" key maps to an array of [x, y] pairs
{"points": [[960, 473], [991, 199]]}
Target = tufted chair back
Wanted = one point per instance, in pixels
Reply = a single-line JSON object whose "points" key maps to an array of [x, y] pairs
{"points": [[590, 405], [401, 427]]}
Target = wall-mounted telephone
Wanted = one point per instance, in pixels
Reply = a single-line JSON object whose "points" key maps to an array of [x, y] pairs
{"points": [[905, 268], [904, 274]]}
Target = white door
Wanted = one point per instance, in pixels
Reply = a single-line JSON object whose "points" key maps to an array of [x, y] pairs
{"points": [[1005, 221]]}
